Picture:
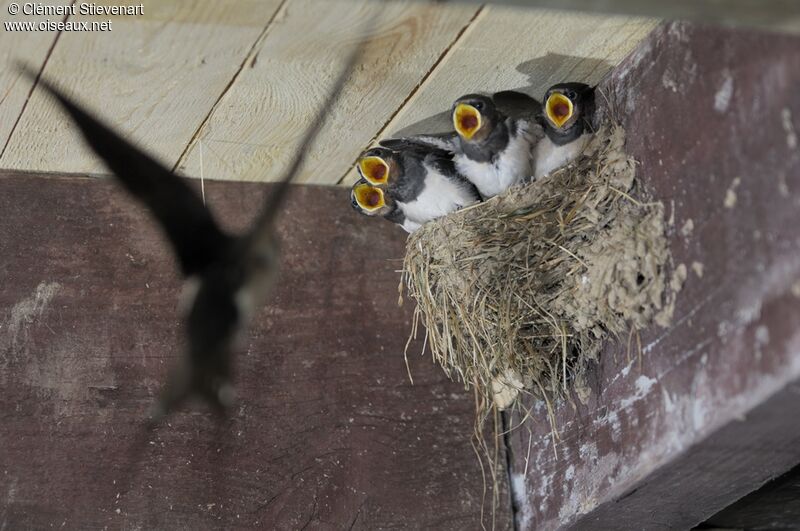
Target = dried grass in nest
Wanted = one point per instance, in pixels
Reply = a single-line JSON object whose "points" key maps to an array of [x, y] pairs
{"points": [[519, 292]]}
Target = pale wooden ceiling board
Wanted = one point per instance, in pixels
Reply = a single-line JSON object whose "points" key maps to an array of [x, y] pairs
{"points": [[30, 47], [155, 77], [775, 15], [173, 81], [260, 121], [524, 49]]}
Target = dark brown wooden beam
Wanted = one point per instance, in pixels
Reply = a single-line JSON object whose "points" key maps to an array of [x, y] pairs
{"points": [[328, 432], [776, 505], [712, 116]]}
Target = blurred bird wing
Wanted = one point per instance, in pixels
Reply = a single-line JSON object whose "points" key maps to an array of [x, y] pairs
{"points": [[261, 234], [190, 227]]}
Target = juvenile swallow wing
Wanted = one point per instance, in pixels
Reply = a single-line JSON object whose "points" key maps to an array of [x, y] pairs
{"points": [[588, 98], [517, 105], [447, 167], [525, 111], [190, 227], [443, 141]]}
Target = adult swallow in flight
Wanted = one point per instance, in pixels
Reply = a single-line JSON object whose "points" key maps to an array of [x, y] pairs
{"points": [[230, 275]]}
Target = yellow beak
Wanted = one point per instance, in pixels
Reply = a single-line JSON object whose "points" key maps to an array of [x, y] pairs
{"points": [[559, 109], [466, 120], [374, 169], [368, 197]]}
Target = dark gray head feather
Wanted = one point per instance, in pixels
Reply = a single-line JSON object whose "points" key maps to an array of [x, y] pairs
{"points": [[582, 97]]}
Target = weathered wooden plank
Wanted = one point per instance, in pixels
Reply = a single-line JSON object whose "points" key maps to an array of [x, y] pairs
{"points": [[328, 431], [712, 116], [29, 46], [523, 49], [259, 123], [155, 76], [768, 14], [775, 505]]}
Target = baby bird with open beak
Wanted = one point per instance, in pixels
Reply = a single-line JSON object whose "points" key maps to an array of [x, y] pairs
{"points": [[410, 186], [567, 121], [493, 139], [370, 200]]}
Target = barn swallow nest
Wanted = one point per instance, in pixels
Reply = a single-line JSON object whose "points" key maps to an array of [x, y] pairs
{"points": [[519, 293]]}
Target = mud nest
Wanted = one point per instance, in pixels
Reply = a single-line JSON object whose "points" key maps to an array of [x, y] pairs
{"points": [[517, 294]]}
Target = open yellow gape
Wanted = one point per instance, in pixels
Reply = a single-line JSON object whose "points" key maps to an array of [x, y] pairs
{"points": [[368, 197], [466, 120], [374, 169], [559, 109]]}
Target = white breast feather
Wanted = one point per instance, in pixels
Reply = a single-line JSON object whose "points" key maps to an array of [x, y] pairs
{"points": [[439, 197], [410, 226], [510, 167], [548, 157]]}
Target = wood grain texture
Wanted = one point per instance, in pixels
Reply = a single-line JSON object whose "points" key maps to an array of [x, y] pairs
{"points": [[155, 77], [28, 46], [776, 505], [783, 15], [328, 432], [711, 414], [171, 79], [261, 120], [521, 49]]}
